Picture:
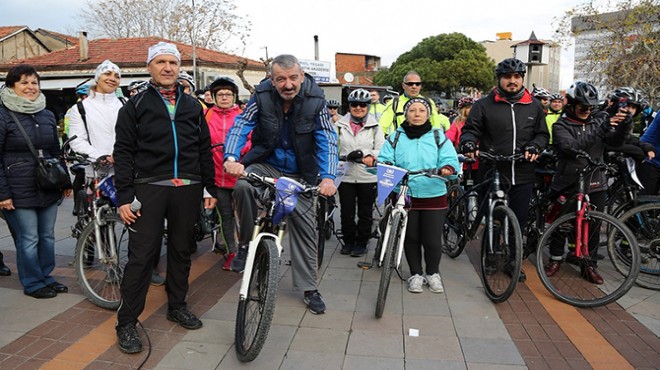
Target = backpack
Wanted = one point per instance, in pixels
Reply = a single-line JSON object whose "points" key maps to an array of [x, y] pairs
{"points": [[83, 115]]}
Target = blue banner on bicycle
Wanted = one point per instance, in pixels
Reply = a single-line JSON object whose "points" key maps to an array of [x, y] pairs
{"points": [[286, 197], [107, 187], [388, 178]]}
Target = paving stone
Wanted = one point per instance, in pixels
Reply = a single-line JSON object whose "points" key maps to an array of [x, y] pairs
{"points": [[195, 355], [320, 340], [296, 360], [491, 351], [374, 344], [433, 348], [352, 362]]}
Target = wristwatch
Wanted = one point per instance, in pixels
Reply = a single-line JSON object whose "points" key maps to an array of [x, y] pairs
{"points": [[230, 159]]}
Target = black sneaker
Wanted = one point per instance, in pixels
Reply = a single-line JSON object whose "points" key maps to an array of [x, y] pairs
{"points": [[359, 251], [128, 339], [184, 318], [238, 263], [346, 249], [314, 302]]}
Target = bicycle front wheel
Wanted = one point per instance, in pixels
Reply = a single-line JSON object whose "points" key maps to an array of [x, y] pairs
{"points": [[255, 311], [501, 259], [389, 263], [454, 230], [644, 222], [568, 281], [100, 277]]}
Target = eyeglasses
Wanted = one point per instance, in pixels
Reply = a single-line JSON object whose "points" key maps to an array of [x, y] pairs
{"points": [[228, 95], [357, 104], [333, 107], [413, 83]]}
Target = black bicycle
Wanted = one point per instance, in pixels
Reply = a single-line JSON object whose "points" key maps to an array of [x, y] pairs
{"points": [[501, 245]]}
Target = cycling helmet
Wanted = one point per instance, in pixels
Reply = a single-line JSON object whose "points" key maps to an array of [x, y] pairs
{"points": [[465, 101], [138, 85], [510, 65], [332, 103], [582, 92], [633, 96], [83, 90], [557, 96], [540, 93], [223, 82], [188, 78], [387, 98], [359, 96]]}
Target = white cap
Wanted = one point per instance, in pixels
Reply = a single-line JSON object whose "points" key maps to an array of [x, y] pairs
{"points": [[163, 48], [105, 67]]}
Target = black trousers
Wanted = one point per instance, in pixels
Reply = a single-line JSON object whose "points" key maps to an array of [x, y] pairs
{"points": [[423, 231], [180, 206], [649, 175], [360, 196]]}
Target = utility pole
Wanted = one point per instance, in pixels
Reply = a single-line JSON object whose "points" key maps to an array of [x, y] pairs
{"points": [[194, 39]]}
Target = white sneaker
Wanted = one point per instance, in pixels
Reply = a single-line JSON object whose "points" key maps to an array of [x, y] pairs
{"points": [[415, 283], [435, 283]]}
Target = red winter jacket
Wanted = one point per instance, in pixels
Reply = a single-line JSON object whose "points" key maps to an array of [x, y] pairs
{"points": [[220, 121]]}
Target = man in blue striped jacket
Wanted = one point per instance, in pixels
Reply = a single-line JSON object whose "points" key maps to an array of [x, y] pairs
{"points": [[291, 136]]}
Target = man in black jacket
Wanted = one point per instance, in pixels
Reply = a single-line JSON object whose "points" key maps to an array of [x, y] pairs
{"points": [[507, 121], [163, 163]]}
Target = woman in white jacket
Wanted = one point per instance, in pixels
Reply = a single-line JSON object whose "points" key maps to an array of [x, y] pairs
{"points": [[358, 130]]}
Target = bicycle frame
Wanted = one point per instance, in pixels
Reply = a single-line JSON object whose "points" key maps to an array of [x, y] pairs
{"points": [[398, 207]]}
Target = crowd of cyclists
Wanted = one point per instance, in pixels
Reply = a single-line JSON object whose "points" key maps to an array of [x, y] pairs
{"points": [[287, 128]]}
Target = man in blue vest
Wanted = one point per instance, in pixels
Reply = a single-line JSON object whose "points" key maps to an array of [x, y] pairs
{"points": [[291, 136]]}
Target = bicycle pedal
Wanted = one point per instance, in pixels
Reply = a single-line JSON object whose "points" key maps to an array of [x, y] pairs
{"points": [[365, 265]]}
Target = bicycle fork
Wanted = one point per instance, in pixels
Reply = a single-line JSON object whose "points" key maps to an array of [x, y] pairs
{"points": [[581, 227], [386, 236], [257, 235], [109, 238]]}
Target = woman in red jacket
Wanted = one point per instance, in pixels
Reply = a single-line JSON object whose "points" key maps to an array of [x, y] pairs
{"points": [[220, 117]]}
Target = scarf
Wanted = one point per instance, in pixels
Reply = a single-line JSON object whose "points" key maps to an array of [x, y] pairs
{"points": [[415, 132], [510, 97], [20, 104]]}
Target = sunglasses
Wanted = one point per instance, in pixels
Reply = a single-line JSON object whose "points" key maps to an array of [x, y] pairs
{"points": [[585, 108], [412, 83], [356, 104]]}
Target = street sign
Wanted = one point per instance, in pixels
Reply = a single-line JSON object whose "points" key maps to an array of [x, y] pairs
{"points": [[320, 70]]}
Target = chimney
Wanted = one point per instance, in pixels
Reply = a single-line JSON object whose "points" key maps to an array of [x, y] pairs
{"points": [[83, 43]]}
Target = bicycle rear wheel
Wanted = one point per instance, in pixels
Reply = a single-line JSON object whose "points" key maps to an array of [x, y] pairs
{"points": [[568, 283], [644, 222], [453, 230], [501, 263], [255, 312], [389, 263], [100, 279]]}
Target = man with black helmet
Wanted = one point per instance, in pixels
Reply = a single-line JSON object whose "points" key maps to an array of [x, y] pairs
{"points": [[291, 136], [507, 121]]}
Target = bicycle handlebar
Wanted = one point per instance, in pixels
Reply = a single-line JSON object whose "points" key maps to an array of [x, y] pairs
{"points": [[271, 181], [501, 158]]}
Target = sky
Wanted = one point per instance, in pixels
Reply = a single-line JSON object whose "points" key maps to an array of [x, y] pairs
{"points": [[385, 28]]}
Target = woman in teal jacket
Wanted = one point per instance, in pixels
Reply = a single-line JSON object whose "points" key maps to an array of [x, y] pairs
{"points": [[417, 146]]}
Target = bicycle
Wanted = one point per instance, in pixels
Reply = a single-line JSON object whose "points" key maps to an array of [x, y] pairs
{"points": [[501, 245], [576, 236], [389, 257], [466, 209], [644, 222], [101, 251], [622, 195], [258, 290]]}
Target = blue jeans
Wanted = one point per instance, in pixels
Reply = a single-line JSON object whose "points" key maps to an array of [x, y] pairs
{"points": [[34, 233]]}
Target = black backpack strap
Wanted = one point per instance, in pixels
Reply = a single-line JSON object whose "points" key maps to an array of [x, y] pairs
{"points": [[395, 106], [436, 135], [122, 100], [83, 116]]}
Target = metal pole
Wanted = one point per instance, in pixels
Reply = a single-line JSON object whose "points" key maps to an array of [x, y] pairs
{"points": [[194, 51]]}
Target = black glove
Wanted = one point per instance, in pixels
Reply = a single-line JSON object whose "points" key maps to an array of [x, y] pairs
{"points": [[532, 149], [355, 156], [468, 147]]}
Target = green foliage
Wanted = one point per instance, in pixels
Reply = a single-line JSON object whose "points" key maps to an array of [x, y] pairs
{"points": [[447, 63], [624, 51]]}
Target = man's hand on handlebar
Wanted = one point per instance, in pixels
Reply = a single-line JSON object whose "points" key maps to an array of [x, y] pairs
{"points": [[127, 215], [532, 152], [470, 150], [327, 187], [234, 168]]}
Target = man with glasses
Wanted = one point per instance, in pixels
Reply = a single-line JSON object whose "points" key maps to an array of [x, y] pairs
{"points": [[393, 116], [291, 136], [506, 121]]}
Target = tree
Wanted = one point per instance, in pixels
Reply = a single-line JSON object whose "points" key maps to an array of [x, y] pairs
{"points": [[620, 44], [211, 24], [447, 63]]}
